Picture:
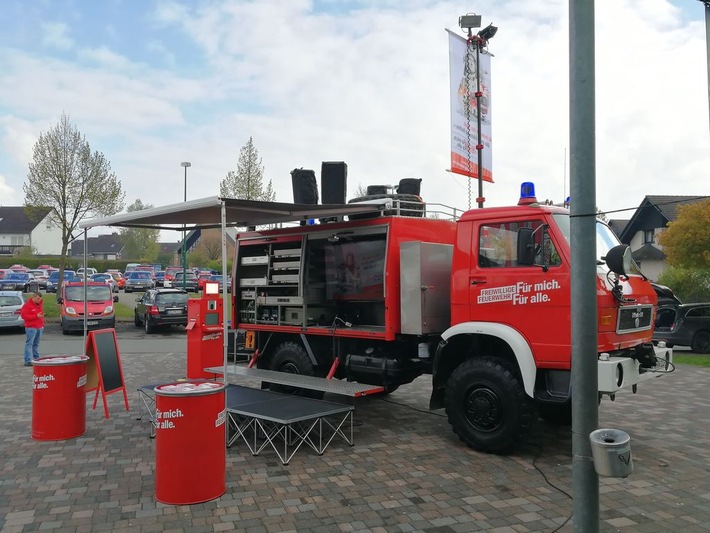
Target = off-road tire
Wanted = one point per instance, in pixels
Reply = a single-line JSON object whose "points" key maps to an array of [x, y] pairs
{"points": [[701, 342], [487, 406], [292, 358]]}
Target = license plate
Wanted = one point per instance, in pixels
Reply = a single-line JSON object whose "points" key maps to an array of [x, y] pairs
{"points": [[5, 315], [92, 323], [171, 311]]}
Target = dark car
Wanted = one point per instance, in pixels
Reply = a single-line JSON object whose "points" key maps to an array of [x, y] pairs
{"points": [[69, 275], [665, 295], [218, 278], [190, 282], [19, 281], [161, 307], [159, 278], [684, 325], [138, 280]]}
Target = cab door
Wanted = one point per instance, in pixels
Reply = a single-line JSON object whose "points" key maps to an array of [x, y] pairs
{"points": [[533, 299]]}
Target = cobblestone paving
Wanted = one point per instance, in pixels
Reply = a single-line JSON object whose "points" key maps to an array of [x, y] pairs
{"points": [[406, 472]]}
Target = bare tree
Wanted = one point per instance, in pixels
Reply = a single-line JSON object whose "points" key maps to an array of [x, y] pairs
{"points": [[65, 175], [247, 183]]}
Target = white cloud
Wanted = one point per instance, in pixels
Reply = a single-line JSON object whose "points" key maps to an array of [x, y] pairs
{"points": [[371, 88], [56, 35]]}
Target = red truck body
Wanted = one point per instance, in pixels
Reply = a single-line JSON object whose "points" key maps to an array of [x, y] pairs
{"points": [[384, 300]]}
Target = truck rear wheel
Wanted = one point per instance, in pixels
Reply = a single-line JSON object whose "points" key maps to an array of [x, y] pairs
{"points": [[487, 406], [292, 358]]}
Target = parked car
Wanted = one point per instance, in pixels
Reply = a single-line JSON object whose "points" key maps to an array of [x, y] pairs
{"points": [[161, 307], [159, 278], [190, 281], [118, 277], [170, 274], [138, 280], [11, 303], [69, 275], [202, 278], [4, 271], [218, 278], [18, 268], [41, 276], [99, 302], [684, 325], [89, 271], [665, 295], [105, 277], [19, 281]]}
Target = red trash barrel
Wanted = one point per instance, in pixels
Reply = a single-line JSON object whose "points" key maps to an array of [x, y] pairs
{"points": [[190, 445], [59, 397]]}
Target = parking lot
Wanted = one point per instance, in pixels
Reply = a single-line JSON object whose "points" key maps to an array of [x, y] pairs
{"points": [[406, 472]]}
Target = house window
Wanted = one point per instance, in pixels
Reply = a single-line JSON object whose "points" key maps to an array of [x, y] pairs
{"points": [[648, 236]]}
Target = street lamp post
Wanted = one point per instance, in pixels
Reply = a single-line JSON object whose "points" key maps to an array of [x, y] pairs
{"points": [[184, 164], [706, 3]]}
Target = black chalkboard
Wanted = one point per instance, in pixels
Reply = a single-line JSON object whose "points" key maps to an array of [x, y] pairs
{"points": [[109, 365]]}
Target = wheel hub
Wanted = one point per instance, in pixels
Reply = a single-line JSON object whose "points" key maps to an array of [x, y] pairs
{"points": [[483, 409]]}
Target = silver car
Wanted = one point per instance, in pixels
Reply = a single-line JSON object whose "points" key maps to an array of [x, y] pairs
{"points": [[10, 304], [138, 281]]}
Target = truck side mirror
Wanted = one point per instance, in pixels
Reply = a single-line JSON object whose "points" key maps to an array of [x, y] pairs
{"points": [[526, 247]]}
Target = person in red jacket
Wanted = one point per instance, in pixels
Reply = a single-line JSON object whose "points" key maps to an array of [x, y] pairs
{"points": [[33, 315]]}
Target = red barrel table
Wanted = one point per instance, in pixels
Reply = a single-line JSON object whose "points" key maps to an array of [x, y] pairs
{"points": [[59, 397], [190, 445]]}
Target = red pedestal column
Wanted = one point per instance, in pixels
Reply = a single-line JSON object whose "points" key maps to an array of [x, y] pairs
{"points": [[190, 445], [59, 397]]}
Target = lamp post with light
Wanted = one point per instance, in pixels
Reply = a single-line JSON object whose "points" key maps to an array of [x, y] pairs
{"points": [[184, 164], [479, 41]]}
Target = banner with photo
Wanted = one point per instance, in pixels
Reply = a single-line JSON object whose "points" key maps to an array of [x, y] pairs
{"points": [[464, 120]]}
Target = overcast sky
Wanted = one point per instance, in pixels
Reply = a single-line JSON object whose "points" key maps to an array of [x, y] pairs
{"points": [[154, 83]]}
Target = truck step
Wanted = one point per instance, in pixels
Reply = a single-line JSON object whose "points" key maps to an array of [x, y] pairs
{"points": [[333, 386]]}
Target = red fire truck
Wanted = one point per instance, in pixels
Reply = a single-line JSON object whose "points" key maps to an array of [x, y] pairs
{"points": [[481, 303]]}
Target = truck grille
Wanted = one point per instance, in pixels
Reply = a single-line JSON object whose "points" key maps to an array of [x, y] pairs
{"points": [[634, 318]]}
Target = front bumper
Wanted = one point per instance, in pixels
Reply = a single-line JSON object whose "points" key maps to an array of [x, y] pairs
{"points": [[616, 373], [77, 323]]}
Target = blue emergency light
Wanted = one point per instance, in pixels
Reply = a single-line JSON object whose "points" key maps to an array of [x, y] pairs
{"points": [[527, 193]]}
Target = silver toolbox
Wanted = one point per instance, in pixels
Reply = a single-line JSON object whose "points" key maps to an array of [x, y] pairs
{"points": [[281, 300], [291, 252], [284, 278], [252, 282], [256, 260], [293, 315], [286, 265]]}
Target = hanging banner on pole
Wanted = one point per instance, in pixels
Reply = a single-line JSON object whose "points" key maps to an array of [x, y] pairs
{"points": [[464, 110]]}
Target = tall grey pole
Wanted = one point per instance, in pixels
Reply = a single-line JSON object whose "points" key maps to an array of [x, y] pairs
{"points": [[479, 145], [184, 164], [585, 415], [707, 43]]}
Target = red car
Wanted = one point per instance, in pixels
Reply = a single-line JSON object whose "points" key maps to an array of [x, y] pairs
{"points": [[203, 278]]}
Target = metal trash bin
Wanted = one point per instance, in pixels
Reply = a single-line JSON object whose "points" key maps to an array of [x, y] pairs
{"points": [[190, 442], [59, 397], [611, 450]]}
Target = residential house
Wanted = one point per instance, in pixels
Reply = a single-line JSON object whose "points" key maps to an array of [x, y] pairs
{"points": [[20, 228], [101, 247], [642, 231]]}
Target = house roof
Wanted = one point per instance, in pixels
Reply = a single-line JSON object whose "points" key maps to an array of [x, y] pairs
{"points": [[618, 225], [648, 252], [655, 211], [16, 220], [102, 244]]}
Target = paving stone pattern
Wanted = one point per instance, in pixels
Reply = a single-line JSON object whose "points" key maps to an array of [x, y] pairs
{"points": [[406, 473]]}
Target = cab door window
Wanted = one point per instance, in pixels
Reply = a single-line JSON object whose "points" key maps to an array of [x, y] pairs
{"points": [[498, 245]]}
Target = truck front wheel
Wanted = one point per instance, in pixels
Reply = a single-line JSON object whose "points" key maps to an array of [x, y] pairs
{"points": [[292, 358], [487, 406]]}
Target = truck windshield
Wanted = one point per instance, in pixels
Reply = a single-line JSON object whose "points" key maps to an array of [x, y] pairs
{"points": [[606, 239]]}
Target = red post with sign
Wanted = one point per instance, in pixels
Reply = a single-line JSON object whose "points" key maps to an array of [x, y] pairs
{"points": [[190, 445], [205, 332], [59, 397]]}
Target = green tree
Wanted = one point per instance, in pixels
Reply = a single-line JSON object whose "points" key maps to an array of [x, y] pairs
{"points": [[247, 183], [140, 243], [686, 242], [75, 182]]}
